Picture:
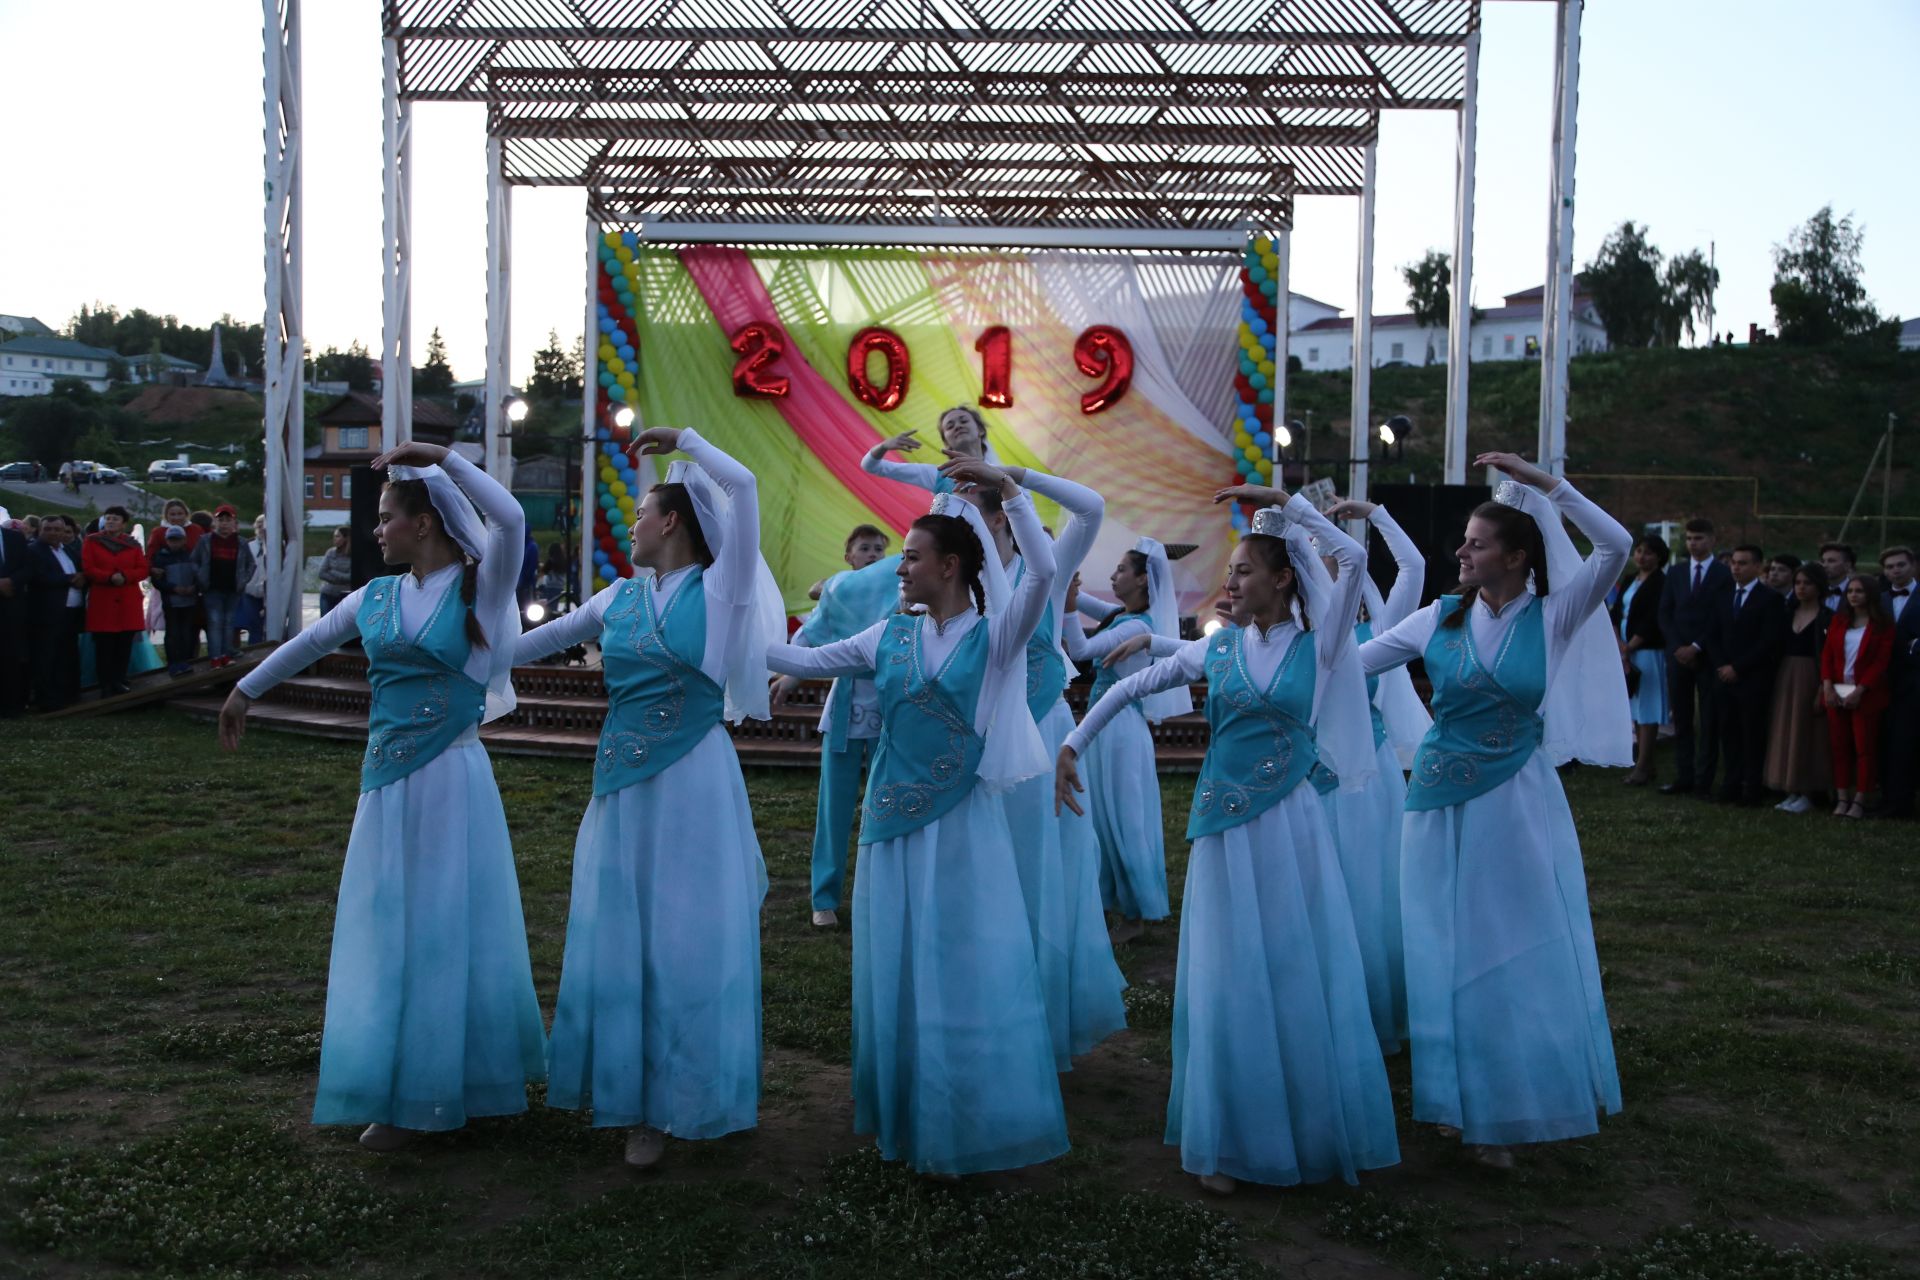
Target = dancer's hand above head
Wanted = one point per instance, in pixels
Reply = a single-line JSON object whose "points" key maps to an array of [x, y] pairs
{"points": [[1066, 782], [1351, 509], [905, 442], [1512, 464], [414, 454], [655, 440], [1259, 495], [1127, 648], [976, 473], [233, 719]]}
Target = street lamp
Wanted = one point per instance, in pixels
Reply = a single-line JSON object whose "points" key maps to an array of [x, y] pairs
{"points": [[516, 411]]}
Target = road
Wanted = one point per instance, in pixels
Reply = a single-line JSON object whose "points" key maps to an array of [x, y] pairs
{"points": [[48, 495]]}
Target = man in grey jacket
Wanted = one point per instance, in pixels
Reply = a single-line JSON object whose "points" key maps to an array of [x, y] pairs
{"points": [[222, 563]]}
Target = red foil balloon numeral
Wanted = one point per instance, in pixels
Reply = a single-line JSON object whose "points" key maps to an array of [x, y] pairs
{"points": [[1104, 349], [996, 367], [759, 345], [899, 366]]}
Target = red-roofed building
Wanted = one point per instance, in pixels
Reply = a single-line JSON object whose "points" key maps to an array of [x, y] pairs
{"points": [[351, 436], [1507, 332]]}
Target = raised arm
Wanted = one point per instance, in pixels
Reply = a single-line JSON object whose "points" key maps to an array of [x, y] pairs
{"points": [[1332, 605], [851, 657], [919, 474], [506, 532], [335, 627], [739, 560], [1086, 511], [1007, 637], [568, 629], [1184, 666], [1595, 577], [1409, 569]]}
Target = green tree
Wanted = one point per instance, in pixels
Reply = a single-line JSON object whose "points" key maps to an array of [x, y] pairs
{"points": [[47, 429], [1428, 282], [1817, 292], [552, 379], [1689, 283], [356, 366], [435, 378], [1624, 280], [577, 367]]}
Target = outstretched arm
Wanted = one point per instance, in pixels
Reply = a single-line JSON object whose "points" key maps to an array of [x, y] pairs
{"points": [[852, 657], [335, 628], [1082, 647], [568, 629], [1401, 643], [920, 474], [1184, 667]]}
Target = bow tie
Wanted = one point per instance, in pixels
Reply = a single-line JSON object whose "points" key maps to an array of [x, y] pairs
{"points": [[1900, 593]]}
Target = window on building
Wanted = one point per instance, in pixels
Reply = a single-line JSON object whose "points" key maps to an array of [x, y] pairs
{"points": [[1507, 347], [307, 485], [346, 485], [1313, 355], [326, 485], [353, 437], [35, 362], [1399, 351], [1486, 346]]}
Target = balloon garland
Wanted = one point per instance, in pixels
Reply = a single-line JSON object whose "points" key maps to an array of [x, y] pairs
{"points": [[1258, 373], [616, 486]]}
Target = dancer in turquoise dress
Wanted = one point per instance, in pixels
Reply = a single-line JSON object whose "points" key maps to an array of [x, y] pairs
{"points": [[1059, 854], [1509, 1027], [657, 1028], [849, 602], [1123, 779], [431, 1016], [953, 1065], [1277, 1075]]}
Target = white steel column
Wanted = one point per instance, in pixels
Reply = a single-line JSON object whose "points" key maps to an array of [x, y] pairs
{"points": [[1283, 248], [1557, 306], [396, 309], [1360, 440], [1460, 323], [589, 394], [285, 353], [499, 449]]}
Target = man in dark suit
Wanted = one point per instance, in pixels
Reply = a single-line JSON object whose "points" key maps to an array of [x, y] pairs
{"points": [[15, 566], [1686, 623], [1902, 747], [56, 613], [1750, 624]]}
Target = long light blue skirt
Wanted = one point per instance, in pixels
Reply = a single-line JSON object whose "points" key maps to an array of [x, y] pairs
{"points": [[1277, 1075], [953, 1067], [1649, 701], [1123, 799], [1509, 1028], [431, 1015], [1366, 827], [1059, 864], [658, 1020]]}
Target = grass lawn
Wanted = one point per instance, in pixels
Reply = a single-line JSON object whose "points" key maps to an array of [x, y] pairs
{"points": [[167, 914]]}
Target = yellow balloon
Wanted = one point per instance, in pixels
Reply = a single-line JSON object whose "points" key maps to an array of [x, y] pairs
{"points": [[1252, 453], [623, 253], [611, 239], [626, 380], [1266, 367], [1261, 245], [619, 488]]}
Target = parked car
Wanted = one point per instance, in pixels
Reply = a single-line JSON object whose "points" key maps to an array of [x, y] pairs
{"points": [[21, 471], [211, 472], [99, 473], [169, 471]]}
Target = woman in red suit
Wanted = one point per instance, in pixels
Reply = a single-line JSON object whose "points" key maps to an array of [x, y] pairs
{"points": [[1853, 683], [115, 567]]}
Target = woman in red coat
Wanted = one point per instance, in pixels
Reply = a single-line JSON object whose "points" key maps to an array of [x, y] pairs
{"points": [[115, 567], [1853, 683]]}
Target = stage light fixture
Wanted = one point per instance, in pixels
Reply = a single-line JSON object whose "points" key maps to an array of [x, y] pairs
{"points": [[1212, 625], [516, 410], [623, 416]]}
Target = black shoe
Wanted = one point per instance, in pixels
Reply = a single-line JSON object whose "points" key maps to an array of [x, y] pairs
{"points": [[1676, 789]]}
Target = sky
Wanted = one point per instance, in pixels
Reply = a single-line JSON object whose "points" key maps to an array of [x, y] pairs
{"points": [[1710, 121]]}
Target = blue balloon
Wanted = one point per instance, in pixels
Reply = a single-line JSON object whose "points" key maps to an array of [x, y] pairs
{"points": [[606, 379], [1266, 397], [601, 433], [626, 353], [1263, 439], [618, 392]]}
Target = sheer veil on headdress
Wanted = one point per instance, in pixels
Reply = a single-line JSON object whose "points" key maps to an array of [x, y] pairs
{"points": [[1163, 613], [756, 617]]}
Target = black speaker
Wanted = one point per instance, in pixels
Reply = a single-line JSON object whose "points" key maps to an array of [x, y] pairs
{"points": [[1435, 517], [363, 517]]}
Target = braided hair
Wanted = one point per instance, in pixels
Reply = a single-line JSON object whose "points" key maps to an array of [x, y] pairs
{"points": [[953, 536]]}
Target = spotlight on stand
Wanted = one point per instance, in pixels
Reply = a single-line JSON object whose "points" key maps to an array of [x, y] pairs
{"points": [[1393, 437], [516, 410], [536, 613], [1283, 437], [623, 416]]}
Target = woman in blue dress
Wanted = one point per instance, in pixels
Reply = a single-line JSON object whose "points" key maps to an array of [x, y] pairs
{"points": [[1643, 655], [1059, 854], [1123, 778], [431, 1016], [1509, 1028], [657, 1028], [1277, 1074], [953, 1065]]}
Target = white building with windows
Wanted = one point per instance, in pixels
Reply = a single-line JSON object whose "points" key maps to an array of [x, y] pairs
{"points": [[1507, 332], [30, 365]]}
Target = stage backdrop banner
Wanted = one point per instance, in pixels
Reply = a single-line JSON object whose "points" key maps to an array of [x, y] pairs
{"points": [[752, 348]]}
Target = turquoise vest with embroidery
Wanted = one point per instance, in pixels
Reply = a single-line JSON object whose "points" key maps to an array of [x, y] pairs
{"points": [[929, 752], [422, 699], [1104, 676], [1363, 632], [1046, 669], [1486, 719], [659, 703], [1261, 742]]}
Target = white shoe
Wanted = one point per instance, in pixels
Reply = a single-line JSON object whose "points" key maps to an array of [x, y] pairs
{"points": [[645, 1146], [826, 920], [385, 1137], [1218, 1184], [1798, 804]]}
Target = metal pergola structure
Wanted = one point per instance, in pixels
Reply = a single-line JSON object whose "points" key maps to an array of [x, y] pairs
{"points": [[1158, 124]]}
